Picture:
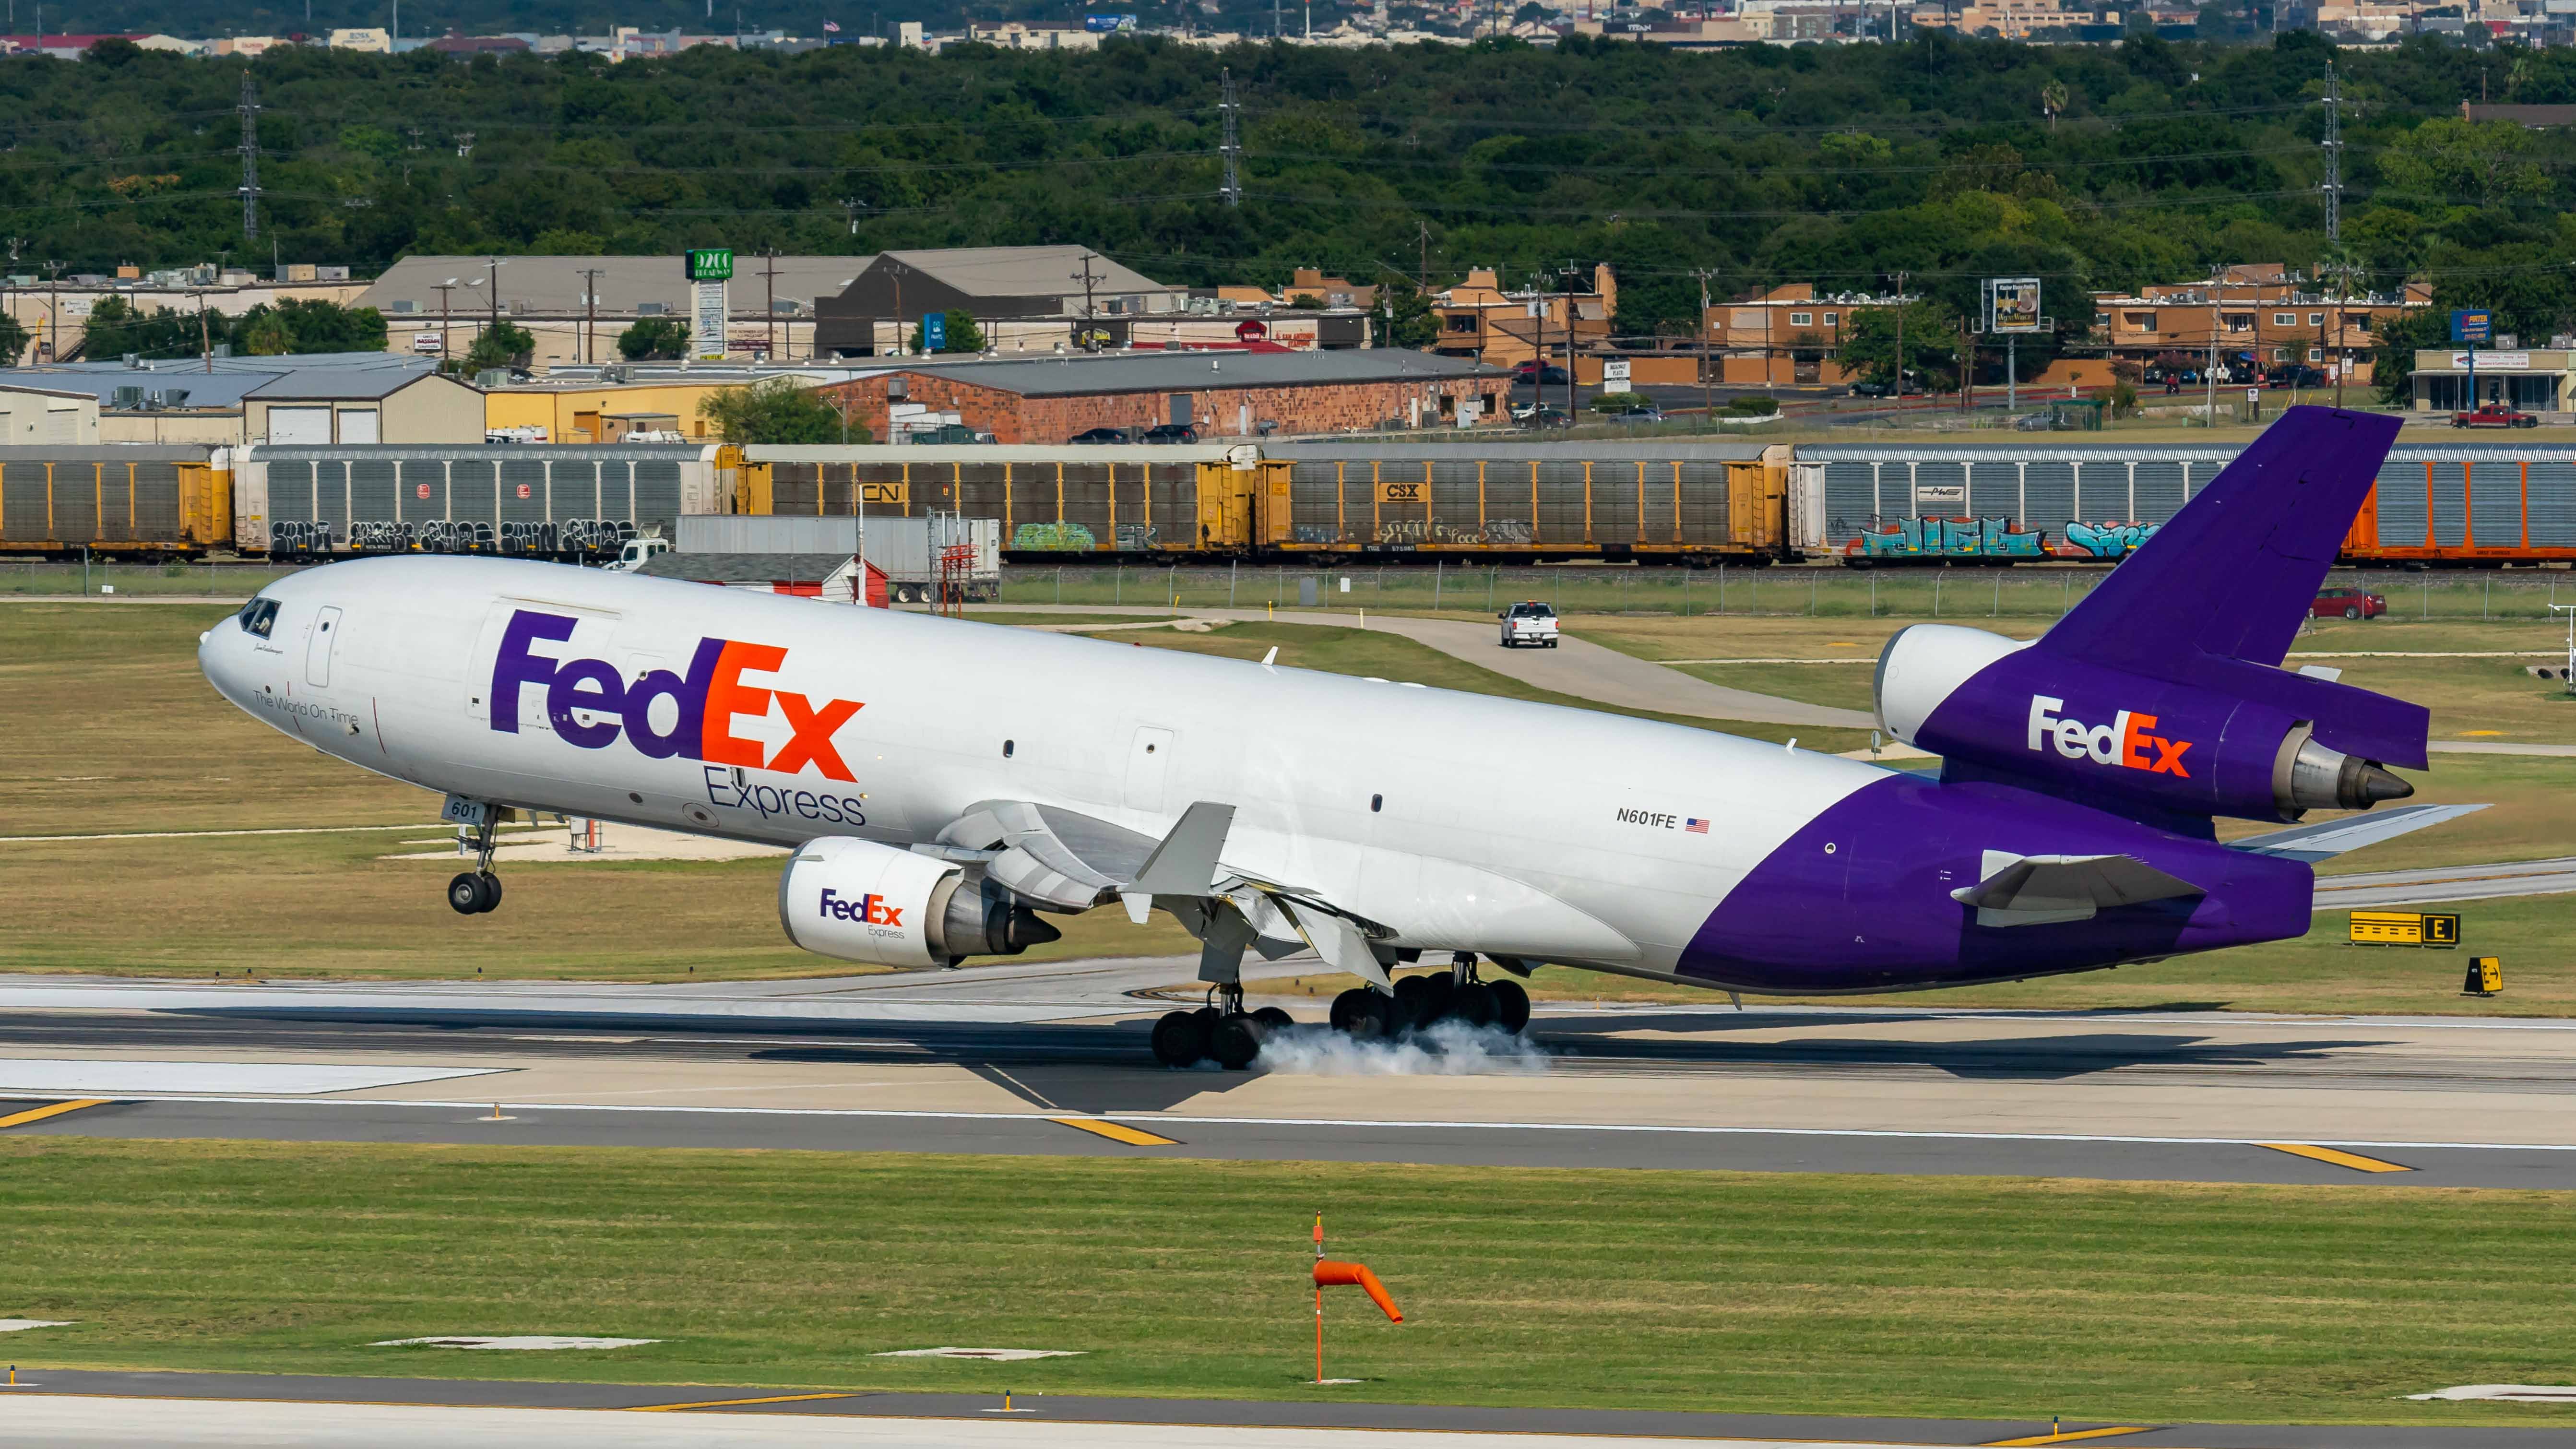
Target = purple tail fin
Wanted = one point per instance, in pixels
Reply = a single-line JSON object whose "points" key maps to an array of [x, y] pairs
{"points": [[2232, 575]]}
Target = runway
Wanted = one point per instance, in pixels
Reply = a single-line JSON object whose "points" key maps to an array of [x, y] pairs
{"points": [[1051, 1060], [92, 1408]]}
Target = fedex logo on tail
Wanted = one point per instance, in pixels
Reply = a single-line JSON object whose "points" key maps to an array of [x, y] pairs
{"points": [[2124, 742], [710, 697]]}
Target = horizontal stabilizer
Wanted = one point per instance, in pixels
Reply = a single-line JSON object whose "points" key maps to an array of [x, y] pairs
{"points": [[2032, 890], [2329, 838]]}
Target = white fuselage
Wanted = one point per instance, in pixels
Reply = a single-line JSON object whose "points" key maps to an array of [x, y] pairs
{"points": [[1462, 821]]}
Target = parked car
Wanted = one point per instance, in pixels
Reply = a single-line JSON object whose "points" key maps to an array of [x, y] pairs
{"points": [[1534, 416], [2295, 375], [1170, 433], [2347, 604], [1639, 415], [1548, 376], [2494, 415], [1873, 387], [1106, 435], [1529, 623]]}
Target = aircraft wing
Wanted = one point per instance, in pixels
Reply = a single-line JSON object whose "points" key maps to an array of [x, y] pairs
{"points": [[1049, 856], [2329, 838], [2032, 890]]}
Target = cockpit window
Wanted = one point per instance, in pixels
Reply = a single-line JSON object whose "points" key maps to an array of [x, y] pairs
{"points": [[258, 616]]}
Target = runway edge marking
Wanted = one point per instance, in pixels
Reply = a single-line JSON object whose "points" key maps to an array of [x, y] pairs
{"points": [[1115, 1131]]}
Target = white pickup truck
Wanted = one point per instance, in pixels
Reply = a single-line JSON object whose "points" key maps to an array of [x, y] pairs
{"points": [[1529, 623]]}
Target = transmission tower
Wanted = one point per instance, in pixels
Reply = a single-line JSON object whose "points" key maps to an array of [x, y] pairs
{"points": [[1232, 149], [2334, 160], [250, 158]]}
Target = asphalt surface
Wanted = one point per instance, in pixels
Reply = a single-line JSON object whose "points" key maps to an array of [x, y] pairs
{"points": [[964, 1418]]}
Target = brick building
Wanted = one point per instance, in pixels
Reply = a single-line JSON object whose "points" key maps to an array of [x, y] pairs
{"points": [[1223, 393]]}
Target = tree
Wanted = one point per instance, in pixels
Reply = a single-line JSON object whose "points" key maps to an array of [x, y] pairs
{"points": [[1408, 317], [503, 344], [775, 411], [298, 325], [654, 339], [2450, 159], [13, 340], [962, 333], [117, 327], [1868, 342], [2392, 362]]}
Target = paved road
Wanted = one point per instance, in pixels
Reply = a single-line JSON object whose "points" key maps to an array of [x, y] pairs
{"points": [[2446, 883], [122, 1408]]}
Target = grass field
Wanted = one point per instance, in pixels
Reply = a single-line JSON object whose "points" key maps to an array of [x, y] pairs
{"points": [[1807, 1293]]}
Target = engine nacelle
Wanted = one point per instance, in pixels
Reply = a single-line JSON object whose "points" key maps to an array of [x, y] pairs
{"points": [[1997, 708], [856, 900]]}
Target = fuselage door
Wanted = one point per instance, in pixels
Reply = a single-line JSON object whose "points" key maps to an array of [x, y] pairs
{"points": [[317, 650], [1149, 758]]}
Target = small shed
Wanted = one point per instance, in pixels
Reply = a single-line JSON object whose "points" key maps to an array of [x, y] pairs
{"points": [[831, 577]]}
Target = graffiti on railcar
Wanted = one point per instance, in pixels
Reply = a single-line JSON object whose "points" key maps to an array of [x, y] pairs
{"points": [[2106, 540], [1058, 537], [1138, 536], [1947, 538], [292, 537]]}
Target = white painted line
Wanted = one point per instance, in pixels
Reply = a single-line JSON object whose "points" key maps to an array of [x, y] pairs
{"points": [[21, 1325], [997, 1355], [2513, 1393], [212, 834], [1168, 1119], [107, 1078]]}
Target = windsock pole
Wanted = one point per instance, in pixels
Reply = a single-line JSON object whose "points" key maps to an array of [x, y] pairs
{"points": [[1319, 1301]]}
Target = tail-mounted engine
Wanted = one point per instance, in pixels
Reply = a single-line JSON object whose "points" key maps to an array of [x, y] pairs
{"points": [[2222, 737], [856, 900]]}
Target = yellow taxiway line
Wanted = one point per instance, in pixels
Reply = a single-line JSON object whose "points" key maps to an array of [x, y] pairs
{"points": [[2069, 1438], [2353, 1160], [734, 1403], [1114, 1131], [50, 1109]]}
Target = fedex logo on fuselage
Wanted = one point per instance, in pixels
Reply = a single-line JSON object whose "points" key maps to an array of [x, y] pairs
{"points": [[871, 909], [2124, 742], [710, 697]]}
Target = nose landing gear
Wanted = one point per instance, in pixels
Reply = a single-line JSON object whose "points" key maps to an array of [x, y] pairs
{"points": [[477, 891]]}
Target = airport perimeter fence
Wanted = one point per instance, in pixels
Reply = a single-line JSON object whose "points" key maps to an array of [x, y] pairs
{"points": [[1929, 593], [225, 580]]}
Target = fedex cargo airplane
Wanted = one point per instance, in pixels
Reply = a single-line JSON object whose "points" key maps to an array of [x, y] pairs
{"points": [[946, 786]]}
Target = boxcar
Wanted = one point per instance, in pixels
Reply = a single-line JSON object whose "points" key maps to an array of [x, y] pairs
{"points": [[532, 500], [152, 501]]}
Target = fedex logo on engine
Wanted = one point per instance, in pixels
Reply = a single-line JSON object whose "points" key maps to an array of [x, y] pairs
{"points": [[2124, 742], [869, 908], [709, 698]]}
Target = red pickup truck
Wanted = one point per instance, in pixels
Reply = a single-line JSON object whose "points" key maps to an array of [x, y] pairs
{"points": [[2494, 415], [2348, 604]]}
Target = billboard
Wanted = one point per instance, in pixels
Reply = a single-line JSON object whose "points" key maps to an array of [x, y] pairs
{"points": [[2012, 304], [707, 321], [709, 264], [2472, 325], [1101, 23]]}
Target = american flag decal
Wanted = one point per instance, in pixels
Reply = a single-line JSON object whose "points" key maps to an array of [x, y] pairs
{"points": [[1694, 825]]}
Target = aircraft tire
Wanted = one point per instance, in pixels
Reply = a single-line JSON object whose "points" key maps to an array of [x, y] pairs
{"points": [[1413, 1000], [1235, 1042], [1474, 1004], [1511, 1005], [1439, 998], [465, 894], [1273, 1018], [1180, 1038], [491, 893], [1364, 1014]]}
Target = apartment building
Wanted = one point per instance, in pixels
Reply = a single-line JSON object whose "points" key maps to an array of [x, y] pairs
{"points": [[1783, 337], [2251, 319], [1480, 319]]}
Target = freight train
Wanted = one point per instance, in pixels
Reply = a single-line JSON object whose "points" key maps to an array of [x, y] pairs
{"points": [[2450, 504]]}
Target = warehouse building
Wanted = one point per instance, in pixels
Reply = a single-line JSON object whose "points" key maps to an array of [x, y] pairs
{"points": [[1223, 395], [316, 398]]}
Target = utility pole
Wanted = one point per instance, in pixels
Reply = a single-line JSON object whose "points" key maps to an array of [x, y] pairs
{"points": [[54, 320], [853, 206], [1898, 396], [2333, 143], [205, 333], [495, 297], [443, 288], [1231, 150], [769, 275], [249, 109], [1707, 385], [589, 349], [1422, 274], [1088, 278], [1568, 274], [896, 270]]}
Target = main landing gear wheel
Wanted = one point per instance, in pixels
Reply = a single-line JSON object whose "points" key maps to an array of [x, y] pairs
{"points": [[1511, 1005], [1364, 1014], [1274, 1018], [1236, 1041], [474, 892], [1180, 1038], [1474, 1004]]}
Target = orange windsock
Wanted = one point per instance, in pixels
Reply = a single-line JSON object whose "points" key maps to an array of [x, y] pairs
{"points": [[1331, 1274]]}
